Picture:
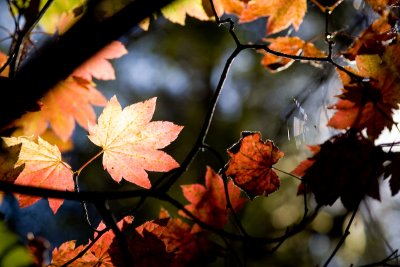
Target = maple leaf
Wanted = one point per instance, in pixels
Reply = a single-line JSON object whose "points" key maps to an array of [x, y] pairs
{"points": [[98, 66], [375, 39], [289, 46], [346, 166], [208, 203], [230, 6], [131, 142], [145, 247], [8, 172], [98, 254], [177, 11], [251, 162], [370, 103], [280, 14], [43, 167], [72, 99], [165, 241]]}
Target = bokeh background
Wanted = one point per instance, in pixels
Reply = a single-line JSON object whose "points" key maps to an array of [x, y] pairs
{"points": [[181, 65]]}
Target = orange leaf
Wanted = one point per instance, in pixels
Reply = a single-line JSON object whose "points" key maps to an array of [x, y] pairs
{"points": [[131, 142], [370, 104], [208, 203], [3, 60], [280, 13], [375, 39], [98, 254], [346, 166], [43, 167], [251, 163], [72, 99], [289, 46], [66, 103], [98, 66], [230, 6]]}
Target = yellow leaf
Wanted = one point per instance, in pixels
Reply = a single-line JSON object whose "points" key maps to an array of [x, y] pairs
{"points": [[177, 11], [43, 167]]}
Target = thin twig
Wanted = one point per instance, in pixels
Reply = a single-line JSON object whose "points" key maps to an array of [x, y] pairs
{"points": [[84, 205], [385, 262], [110, 222], [230, 207], [343, 238], [86, 249]]}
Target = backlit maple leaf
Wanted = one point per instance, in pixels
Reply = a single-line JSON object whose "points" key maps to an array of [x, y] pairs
{"points": [[281, 14], [98, 66], [370, 103], [98, 254], [131, 142], [43, 167], [289, 46], [177, 11], [375, 39], [72, 99], [230, 6], [346, 166], [251, 162], [208, 203]]}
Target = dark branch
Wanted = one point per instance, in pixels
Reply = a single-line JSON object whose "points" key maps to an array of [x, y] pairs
{"points": [[57, 60]]}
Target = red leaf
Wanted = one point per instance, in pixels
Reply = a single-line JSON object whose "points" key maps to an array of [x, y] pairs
{"points": [[346, 166], [163, 242], [208, 203], [251, 163]]}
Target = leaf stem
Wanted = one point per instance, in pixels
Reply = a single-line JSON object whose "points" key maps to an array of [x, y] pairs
{"points": [[78, 172]]}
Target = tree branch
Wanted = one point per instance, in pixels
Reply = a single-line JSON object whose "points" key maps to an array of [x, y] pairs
{"points": [[58, 59]]}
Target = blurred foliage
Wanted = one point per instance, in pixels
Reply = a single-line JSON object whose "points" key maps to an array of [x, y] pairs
{"points": [[181, 66], [12, 251]]}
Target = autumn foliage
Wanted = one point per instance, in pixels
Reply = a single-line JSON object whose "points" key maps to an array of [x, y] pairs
{"points": [[207, 225]]}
